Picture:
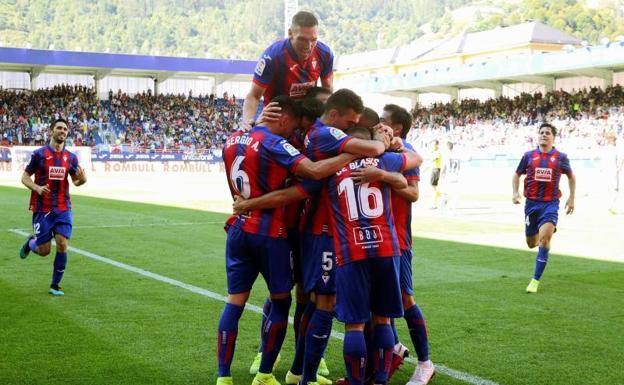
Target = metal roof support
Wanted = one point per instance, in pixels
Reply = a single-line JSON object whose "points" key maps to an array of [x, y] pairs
{"points": [[34, 73]]}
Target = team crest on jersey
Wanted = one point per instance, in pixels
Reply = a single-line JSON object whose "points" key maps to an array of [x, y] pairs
{"points": [[543, 174], [298, 90], [56, 173], [336, 133], [290, 148], [64, 158], [314, 64]]}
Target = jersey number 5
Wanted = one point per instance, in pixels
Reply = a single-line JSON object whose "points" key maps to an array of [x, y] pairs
{"points": [[239, 178], [360, 197]]}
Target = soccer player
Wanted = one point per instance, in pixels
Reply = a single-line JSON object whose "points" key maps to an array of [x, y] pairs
{"points": [[367, 257], [290, 66], [543, 168], [49, 200], [449, 178], [435, 172], [258, 162], [401, 121]]}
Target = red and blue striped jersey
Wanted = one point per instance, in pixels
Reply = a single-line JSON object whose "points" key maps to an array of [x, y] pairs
{"points": [[362, 220], [51, 168], [543, 171], [402, 208], [258, 162], [280, 72], [292, 214], [321, 142]]}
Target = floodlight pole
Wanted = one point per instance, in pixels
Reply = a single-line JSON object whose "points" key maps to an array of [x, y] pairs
{"points": [[290, 8]]}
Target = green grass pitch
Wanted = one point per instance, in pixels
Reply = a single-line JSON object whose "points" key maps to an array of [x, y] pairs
{"points": [[117, 327]]}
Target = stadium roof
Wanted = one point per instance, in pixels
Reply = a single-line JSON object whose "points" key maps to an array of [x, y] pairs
{"points": [[466, 43], [106, 64]]}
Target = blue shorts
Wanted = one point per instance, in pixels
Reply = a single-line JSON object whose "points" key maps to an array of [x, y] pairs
{"points": [[537, 213], [318, 264], [369, 286], [405, 273], [46, 225], [246, 255], [295, 253]]}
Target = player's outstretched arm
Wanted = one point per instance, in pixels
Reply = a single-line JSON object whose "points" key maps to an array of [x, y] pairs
{"points": [[250, 105], [79, 178], [572, 186], [396, 180], [271, 200], [28, 182], [409, 193], [515, 185], [362, 147], [412, 160], [308, 169]]}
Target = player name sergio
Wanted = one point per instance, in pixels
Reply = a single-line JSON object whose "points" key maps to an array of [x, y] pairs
{"points": [[244, 140], [359, 163]]}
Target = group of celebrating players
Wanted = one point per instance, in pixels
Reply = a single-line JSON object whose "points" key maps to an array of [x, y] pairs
{"points": [[322, 190]]}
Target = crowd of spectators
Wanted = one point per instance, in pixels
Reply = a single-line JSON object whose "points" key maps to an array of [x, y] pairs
{"points": [[585, 119], [200, 124]]}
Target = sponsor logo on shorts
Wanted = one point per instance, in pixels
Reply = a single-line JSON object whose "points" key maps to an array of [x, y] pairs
{"points": [[56, 173], [543, 174]]}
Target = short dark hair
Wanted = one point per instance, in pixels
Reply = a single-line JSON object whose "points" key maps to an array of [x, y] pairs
{"points": [[343, 100], [400, 115], [59, 120], [553, 129], [359, 132], [304, 19], [314, 91], [288, 105], [369, 118], [311, 108], [449, 145]]}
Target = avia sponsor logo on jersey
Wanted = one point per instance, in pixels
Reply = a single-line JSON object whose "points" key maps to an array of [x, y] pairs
{"points": [[245, 140], [543, 174], [298, 90], [367, 235], [290, 148], [56, 173]]}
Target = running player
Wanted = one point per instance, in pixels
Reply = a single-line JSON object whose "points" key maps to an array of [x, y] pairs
{"points": [[543, 168], [367, 257], [258, 162], [49, 200], [290, 66]]}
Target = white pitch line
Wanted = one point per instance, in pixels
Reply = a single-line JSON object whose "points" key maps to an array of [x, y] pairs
{"points": [[144, 225], [462, 376]]}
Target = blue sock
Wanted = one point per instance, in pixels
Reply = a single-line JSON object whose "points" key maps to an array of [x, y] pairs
{"points": [[60, 262], [418, 332], [394, 331], [273, 333], [383, 343], [316, 337], [297, 365], [370, 359], [32, 245], [266, 309], [226, 339], [540, 262], [299, 310], [354, 352]]}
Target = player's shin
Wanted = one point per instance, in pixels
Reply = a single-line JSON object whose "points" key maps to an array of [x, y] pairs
{"points": [[540, 262], [383, 343], [354, 351], [274, 332], [60, 262], [297, 365], [317, 337], [418, 331], [226, 339]]}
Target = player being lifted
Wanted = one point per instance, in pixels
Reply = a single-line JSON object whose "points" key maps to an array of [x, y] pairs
{"points": [[258, 162], [290, 66], [543, 168], [49, 200]]}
